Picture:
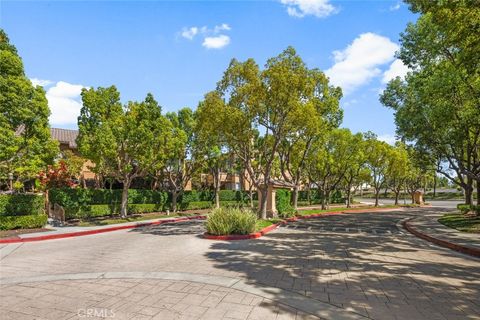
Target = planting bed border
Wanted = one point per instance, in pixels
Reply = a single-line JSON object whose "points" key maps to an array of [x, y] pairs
{"points": [[100, 230], [285, 221]]}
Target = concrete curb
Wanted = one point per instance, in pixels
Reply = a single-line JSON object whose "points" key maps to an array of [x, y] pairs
{"points": [[102, 230], [272, 227], [292, 299], [443, 243]]}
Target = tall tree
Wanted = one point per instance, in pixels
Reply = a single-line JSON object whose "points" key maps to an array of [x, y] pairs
{"points": [[398, 170], [183, 159], [26, 146], [267, 102], [378, 153], [126, 141], [328, 161], [437, 106], [357, 172]]}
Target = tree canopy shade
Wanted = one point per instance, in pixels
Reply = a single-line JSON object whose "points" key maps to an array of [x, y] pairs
{"points": [[124, 141], [258, 110], [25, 143], [437, 106]]}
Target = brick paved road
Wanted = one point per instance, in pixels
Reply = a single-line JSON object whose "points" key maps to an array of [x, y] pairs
{"points": [[359, 263]]}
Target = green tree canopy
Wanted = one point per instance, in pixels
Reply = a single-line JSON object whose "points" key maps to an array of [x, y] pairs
{"points": [[124, 141], [26, 146]]}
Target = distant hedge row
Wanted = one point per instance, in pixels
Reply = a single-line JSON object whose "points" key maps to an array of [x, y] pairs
{"points": [[22, 211], [88, 203], [21, 204]]}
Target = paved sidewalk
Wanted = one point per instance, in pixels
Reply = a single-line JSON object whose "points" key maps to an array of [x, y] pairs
{"points": [[124, 225], [428, 224]]}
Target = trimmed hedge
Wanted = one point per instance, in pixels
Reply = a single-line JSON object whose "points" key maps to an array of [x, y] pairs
{"points": [[104, 210], [316, 197], [21, 204], [282, 199], [465, 208], [23, 221], [78, 202], [74, 198]]}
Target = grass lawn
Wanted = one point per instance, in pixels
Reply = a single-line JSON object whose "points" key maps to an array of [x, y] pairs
{"points": [[105, 222], [460, 222], [263, 223]]}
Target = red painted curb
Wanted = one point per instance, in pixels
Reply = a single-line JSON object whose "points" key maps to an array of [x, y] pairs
{"points": [[285, 221], [443, 243], [96, 231]]}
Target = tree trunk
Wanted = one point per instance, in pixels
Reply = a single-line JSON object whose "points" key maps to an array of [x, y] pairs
{"points": [[263, 202], [124, 204], [434, 185], [324, 205], [174, 200], [250, 195], [386, 192], [216, 186], [478, 193], [469, 191], [348, 196], [295, 198], [327, 199], [377, 194], [397, 195]]}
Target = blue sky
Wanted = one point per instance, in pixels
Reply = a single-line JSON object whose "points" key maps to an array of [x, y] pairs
{"points": [[179, 50]]}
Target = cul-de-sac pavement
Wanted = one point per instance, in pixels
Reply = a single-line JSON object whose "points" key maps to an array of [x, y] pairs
{"points": [[349, 266]]}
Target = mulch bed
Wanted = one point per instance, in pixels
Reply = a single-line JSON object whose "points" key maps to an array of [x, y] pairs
{"points": [[17, 232]]}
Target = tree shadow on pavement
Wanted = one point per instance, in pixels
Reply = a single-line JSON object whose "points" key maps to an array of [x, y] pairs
{"points": [[381, 276]]}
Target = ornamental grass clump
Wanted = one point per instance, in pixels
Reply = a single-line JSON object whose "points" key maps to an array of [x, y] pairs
{"points": [[224, 221]]}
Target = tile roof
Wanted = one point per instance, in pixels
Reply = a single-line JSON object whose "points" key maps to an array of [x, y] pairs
{"points": [[65, 136]]}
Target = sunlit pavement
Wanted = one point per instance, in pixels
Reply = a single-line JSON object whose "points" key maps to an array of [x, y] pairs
{"points": [[343, 266]]}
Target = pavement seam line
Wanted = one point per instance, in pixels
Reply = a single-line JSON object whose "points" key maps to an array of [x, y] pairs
{"points": [[303, 303]]}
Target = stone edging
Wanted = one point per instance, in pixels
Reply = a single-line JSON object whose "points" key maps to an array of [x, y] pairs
{"points": [[443, 243], [303, 303], [283, 222], [100, 230]]}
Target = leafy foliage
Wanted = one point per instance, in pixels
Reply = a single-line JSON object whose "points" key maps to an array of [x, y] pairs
{"points": [[21, 204], [25, 142], [225, 221], [23, 222]]}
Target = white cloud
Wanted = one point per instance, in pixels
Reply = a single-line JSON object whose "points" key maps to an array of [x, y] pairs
{"points": [[40, 82], [216, 42], [64, 102], [358, 63], [395, 7], [388, 138], [189, 33], [222, 27], [397, 69], [302, 8], [212, 39]]}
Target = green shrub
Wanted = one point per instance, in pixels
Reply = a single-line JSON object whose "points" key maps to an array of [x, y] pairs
{"points": [[79, 199], [196, 205], [224, 221], [21, 204], [283, 205], [465, 208], [23, 221], [143, 208]]}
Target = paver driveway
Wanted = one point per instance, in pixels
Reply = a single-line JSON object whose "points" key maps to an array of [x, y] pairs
{"points": [[356, 263]]}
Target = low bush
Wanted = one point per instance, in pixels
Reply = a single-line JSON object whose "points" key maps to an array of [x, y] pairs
{"points": [[224, 221], [23, 222], [195, 205], [465, 208], [283, 205], [21, 204]]}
